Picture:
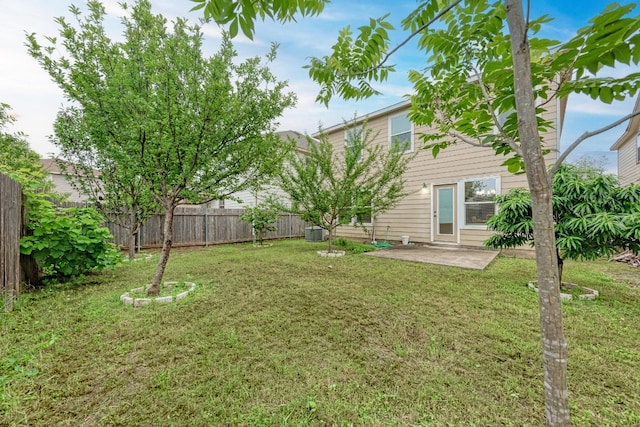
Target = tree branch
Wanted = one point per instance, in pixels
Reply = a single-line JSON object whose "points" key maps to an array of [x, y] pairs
{"points": [[586, 135], [466, 140], [405, 41], [485, 94]]}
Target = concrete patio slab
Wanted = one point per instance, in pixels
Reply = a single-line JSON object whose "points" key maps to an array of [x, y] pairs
{"points": [[453, 256]]}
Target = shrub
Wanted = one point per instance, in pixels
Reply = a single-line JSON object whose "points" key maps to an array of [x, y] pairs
{"points": [[67, 242], [353, 247], [263, 217]]}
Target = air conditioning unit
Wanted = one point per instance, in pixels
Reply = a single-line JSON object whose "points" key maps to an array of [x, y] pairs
{"points": [[314, 234]]}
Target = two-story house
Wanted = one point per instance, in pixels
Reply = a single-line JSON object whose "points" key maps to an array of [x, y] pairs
{"points": [[450, 197]]}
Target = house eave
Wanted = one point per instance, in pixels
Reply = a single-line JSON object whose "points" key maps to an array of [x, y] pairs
{"points": [[629, 130], [381, 112]]}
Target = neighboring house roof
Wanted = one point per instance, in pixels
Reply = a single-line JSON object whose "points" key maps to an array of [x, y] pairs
{"points": [[301, 140], [51, 166], [632, 129]]}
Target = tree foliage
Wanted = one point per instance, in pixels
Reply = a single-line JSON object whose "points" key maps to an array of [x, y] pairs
{"points": [[467, 93], [64, 242], [192, 128], [17, 159], [263, 217], [330, 188], [123, 197], [593, 216], [242, 14]]}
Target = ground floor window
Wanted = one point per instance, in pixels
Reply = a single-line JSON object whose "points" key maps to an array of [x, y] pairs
{"points": [[479, 204], [364, 211]]}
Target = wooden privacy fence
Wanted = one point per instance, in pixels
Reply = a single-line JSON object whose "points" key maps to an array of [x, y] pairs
{"points": [[205, 226], [10, 231]]}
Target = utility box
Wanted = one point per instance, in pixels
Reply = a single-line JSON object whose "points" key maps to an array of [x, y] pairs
{"points": [[314, 234]]}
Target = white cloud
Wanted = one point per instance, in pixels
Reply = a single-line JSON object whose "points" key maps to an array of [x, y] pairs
{"points": [[583, 104]]}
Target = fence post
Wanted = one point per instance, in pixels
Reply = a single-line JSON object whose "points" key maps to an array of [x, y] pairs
{"points": [[10, 233], [206, 227]]}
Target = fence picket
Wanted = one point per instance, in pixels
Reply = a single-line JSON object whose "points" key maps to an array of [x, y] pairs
{"points": [[197, 226]]}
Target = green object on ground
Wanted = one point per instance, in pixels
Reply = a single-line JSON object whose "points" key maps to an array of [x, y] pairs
{"points": [[382, 245]]}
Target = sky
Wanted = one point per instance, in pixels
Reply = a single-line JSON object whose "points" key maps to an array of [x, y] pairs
{"points": [[35, 99]]}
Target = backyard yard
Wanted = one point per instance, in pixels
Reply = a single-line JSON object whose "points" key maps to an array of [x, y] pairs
{"points": [[280, 336]]}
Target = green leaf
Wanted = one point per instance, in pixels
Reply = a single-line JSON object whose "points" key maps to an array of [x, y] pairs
{"points": [[513, 167], [606, 94], [233, 28], [622, 53]]}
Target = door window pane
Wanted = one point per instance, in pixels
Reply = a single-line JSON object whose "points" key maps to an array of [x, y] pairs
{"points": [[445, 211]]}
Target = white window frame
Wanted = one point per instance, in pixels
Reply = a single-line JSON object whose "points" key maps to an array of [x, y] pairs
{"points": [[392, 134], [638, 148], [462, 205]]}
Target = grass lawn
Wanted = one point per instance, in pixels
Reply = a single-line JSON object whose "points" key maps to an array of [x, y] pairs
{"points": [[281, 337]]}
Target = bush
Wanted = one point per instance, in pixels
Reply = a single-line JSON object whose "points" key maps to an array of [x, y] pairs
{"points": [[263, 217], [67, 242], [353, 247]]}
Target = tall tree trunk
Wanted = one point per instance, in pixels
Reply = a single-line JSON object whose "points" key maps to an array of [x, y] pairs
{"points": [[554, 344], [132, 245], [133, 230], [166, 248]]}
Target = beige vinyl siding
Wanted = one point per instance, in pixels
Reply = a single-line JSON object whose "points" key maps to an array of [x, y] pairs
{"points": [[413, 215], [62, 186], [628, 167], [247, 198]]}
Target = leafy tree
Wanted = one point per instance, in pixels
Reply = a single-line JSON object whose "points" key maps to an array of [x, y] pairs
{"points": [[123, 197], [263, 217], [331, 189], [193, 129], [510, 68], [21, 163], [64, 242], [593, 216], [16, 158]]}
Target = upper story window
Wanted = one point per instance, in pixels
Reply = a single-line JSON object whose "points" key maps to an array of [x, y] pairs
{"points": [[479, 204], [638, 148], [400, 132], [353, 139]]}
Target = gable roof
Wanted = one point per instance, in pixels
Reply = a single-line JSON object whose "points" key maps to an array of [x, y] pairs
{"points": [[302, 143], [52, 167], [632, 128]]}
